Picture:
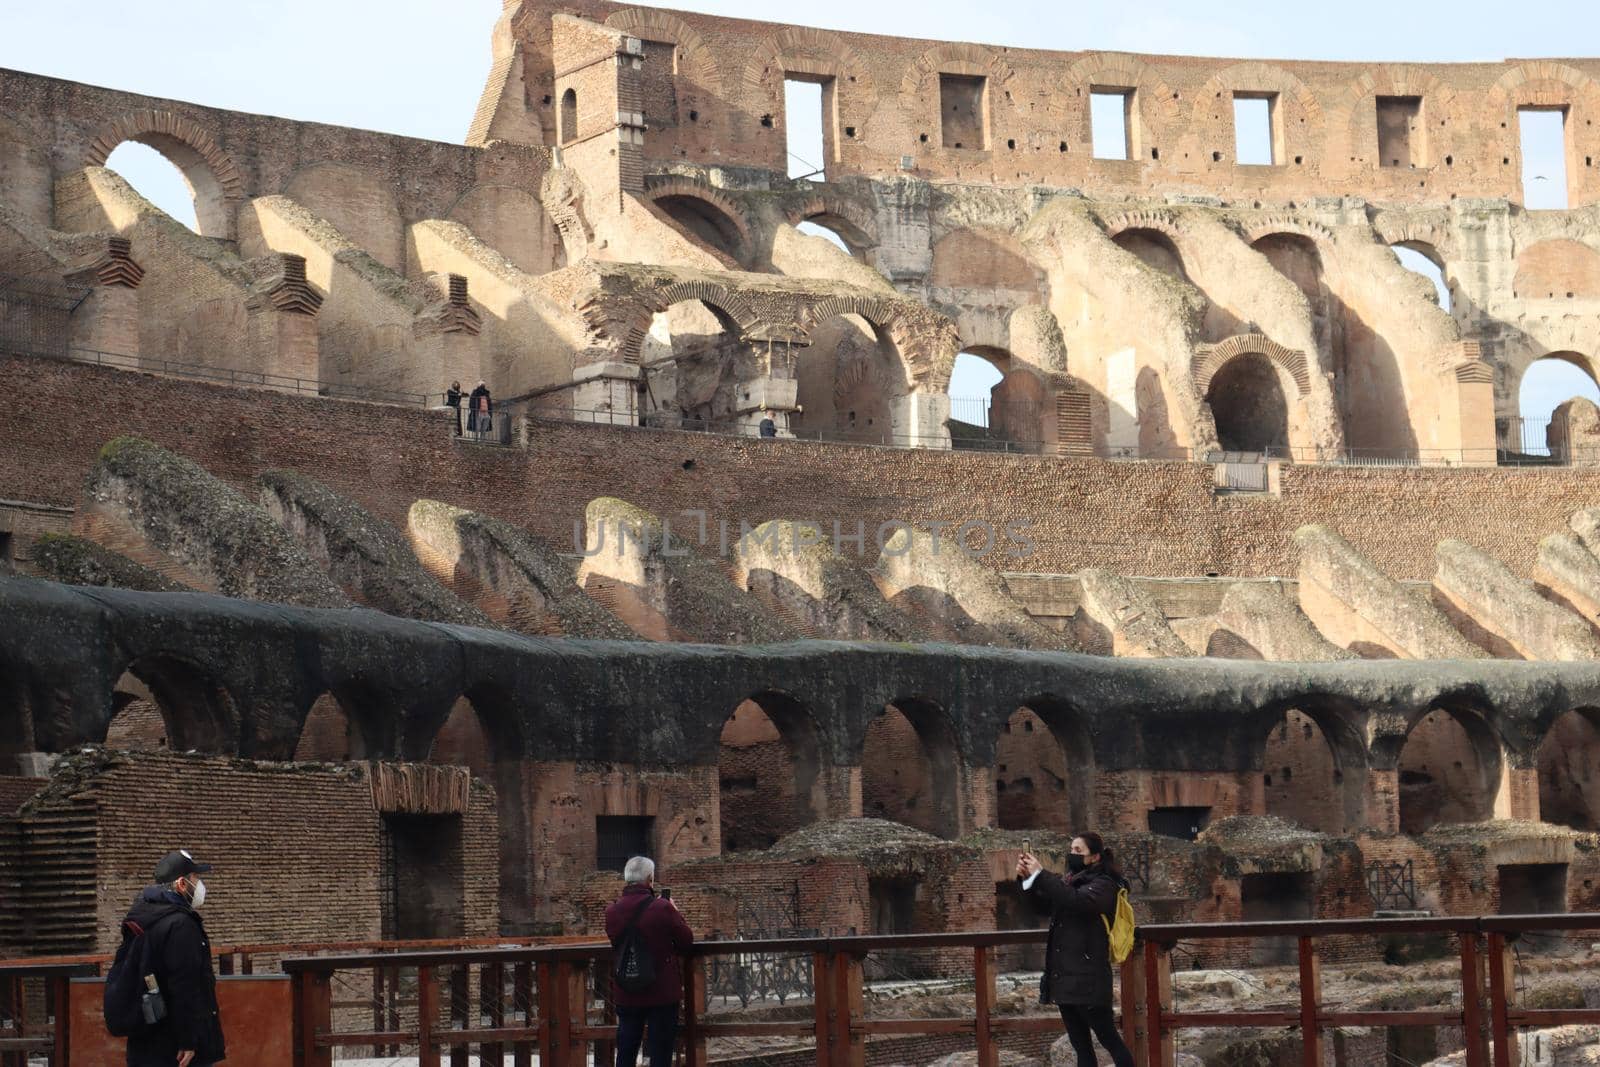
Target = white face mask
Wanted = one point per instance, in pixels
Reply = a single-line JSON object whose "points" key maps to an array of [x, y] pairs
{"points": [[198, 897]]}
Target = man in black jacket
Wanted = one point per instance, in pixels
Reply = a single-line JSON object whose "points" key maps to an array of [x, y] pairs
{"points": [[180, 957]]}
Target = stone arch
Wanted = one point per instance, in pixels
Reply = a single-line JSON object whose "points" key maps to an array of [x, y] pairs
{"points": [[1451, 764], [358, 202], [1209, 359], [720, 210], [1162, 222], [567, 117], [927, 342], [856, 227], [199, 712], [911, 767], [1157, 111], [768, 771], [1273, 225], [966, 59], [1058, 767], [1432, 239], [733, 305], [1311, 751], [696, 57], [1256, 76], [1539, 83], [1557, 268], [213, 177], [330, 733], [812, 52], [1356, 138], [1568, 762]]}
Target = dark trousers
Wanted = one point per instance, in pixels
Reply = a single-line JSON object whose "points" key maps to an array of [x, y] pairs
{"points": [[1082, 1021], [662, 1023]]}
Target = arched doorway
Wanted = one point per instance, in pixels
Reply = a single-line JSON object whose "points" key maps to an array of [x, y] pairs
{"points": [[767, 772], [1419, 257], [693, 360], [329, 734], [157, 179], [1044, 769], [567, 120], [1249, 405], [847, 382], [1155, 249], [1450, 770], [706, 222], [910, 768], [1302, 777], [162, 701], [1543, 394], [1568, 761]]}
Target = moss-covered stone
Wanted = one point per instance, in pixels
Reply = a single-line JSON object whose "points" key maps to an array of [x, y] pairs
{"points": [[78, 561], [202, 522]]}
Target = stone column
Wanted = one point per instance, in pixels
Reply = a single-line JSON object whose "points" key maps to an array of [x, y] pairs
{"points": [[1382, 800], [918, 420], [606, 393], [108, 318], [1518, 795], [1467, 412]]}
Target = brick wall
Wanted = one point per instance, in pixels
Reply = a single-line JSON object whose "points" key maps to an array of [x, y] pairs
{"points": [[1301, 777], [386, 457]]}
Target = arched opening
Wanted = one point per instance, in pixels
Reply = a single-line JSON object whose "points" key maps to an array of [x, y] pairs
{"points": [[1567, 758], [1543, 396], [1301, 775], [157, 179], [1155, 249], [973, 379], [1249, 405], [1043, 775], [329, 734], [1419, 257], [162, 701], [705, 221], [847, 381], [837, 230], [910, 768], [567, 121], [693, 360], [767, 772], [138, 724], [1450, 769], [462, 741]]}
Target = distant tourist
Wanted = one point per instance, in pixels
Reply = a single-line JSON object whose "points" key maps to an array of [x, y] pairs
{"points": [[452, 399], [480, 410], [647, 934], [1077, 965], [163, 973], [769, 428]]}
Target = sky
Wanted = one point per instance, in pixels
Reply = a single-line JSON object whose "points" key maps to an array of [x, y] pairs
{"points": [[416, 67]]}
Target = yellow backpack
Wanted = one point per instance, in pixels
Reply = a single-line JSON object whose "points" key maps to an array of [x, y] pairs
{"points": [[1119, 933]]}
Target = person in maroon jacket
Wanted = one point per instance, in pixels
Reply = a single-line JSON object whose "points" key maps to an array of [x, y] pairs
{"points": [[664, 932]]}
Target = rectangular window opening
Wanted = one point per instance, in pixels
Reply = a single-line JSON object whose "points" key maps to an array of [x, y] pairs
{"points": [[1255, 129], [1180, 822], [8, 548], [964, 111], [1400, 131], [1543, 132], [619, 838], [1111, 123], [804, 122]]}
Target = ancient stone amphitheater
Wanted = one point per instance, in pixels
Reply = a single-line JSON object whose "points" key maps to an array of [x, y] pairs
{"points": [[1248, 561]]}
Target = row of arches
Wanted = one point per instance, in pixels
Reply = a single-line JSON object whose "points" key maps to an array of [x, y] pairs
{"points": [[773, 776]]}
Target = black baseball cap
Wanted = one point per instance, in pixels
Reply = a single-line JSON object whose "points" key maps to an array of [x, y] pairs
{"points": [[175, 865]]}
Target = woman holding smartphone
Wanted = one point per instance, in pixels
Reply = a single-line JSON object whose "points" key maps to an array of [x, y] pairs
{"points": [[1077, 967]]}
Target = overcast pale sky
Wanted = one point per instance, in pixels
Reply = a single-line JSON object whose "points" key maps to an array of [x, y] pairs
{"points": [[416, 67]]}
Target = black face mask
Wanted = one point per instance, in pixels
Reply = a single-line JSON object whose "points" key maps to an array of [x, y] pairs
{"points": [[1075, 862]]}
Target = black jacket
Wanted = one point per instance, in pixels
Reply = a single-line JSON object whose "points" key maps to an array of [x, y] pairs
{"points": [[180, 956], [1077, 966]]}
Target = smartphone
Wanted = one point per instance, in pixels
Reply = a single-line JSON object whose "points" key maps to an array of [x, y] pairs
{"points": [[1027, 848], [666, 894]]}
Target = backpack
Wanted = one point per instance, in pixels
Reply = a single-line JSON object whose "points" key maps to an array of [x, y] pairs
{"points": [[1119, 933], [633, 965], [130, 1005]]}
